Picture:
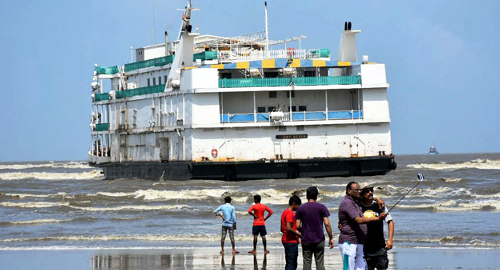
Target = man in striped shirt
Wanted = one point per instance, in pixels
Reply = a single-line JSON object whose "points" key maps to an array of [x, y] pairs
{"points": [[353, 228]]}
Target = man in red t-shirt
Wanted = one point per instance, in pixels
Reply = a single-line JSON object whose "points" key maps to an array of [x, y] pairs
{"points": [[290, 238], [259, 222]]}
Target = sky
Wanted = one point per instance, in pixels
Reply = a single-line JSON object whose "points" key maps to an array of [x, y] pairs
{"points": [[441, 61]]}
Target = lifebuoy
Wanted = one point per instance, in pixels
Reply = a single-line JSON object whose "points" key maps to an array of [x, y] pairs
{"points": [[214, 152]]}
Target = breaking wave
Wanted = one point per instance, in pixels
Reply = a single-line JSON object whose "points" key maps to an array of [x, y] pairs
{"points": [[90, 175], [452, 240], [34, 204], [156, 195], [455, 206], [66, 165], [132, 208], [147, 237], [481, 164], [34, 222], [451, 180]]}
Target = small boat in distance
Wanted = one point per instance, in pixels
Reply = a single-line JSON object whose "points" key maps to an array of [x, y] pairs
{"points": [[433, 150]]}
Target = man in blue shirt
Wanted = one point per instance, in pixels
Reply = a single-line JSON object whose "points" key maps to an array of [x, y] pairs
{"points": [[228, 215]]}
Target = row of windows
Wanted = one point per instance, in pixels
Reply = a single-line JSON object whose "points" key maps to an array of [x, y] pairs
{"points": [[283, 128], [272, 108], [159, 80], [274, 94]]}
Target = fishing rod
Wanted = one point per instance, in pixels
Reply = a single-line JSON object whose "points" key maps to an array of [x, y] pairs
{"points": [[420, 177]]}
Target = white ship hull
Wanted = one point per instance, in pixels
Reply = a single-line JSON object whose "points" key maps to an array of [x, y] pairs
{"points": [[226, 118]]}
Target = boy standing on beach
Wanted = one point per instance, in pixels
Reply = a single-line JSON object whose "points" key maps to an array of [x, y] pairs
{"points": [[290, 238], [228, 215], [311, 217], [259, 222]]}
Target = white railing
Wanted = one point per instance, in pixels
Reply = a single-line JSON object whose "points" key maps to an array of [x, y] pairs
{"points": [[296, 116], [237, 54]]}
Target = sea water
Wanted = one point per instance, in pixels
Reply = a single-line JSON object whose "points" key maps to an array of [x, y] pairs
{"points": [[66, 205]]}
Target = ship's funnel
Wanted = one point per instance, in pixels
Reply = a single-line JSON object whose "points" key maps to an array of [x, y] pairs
{"points": [[347, 48], [167, 51]]}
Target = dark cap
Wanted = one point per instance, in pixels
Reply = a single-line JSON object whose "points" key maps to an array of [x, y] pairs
{"points": [[366, 188]]}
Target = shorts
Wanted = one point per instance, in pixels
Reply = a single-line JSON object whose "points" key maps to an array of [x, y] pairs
{"points": [[224, 233], [379, 261], [256, 230]]}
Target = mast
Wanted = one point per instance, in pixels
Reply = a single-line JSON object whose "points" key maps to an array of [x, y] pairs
{"points": [[267, 34]]}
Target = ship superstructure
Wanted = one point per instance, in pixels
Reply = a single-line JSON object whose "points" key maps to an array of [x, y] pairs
{"points": [[210, 107]]}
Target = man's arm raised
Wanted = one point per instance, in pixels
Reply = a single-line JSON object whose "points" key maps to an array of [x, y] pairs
{"points": [[364, 220]]}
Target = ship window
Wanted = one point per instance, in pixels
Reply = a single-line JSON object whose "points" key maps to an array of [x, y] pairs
{"points": [[154, 81], [261, 109], [294, 108], [165, 79], [149, 82], [225, 75], [273, 94], [288, 94], [282, 128], [271, 74], [309, 73], [300, 128], [159, 80], [302, 108], [270, 109]]}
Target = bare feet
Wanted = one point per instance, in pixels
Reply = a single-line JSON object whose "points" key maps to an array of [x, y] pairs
{"points": [[235, 252], [252, 252], [266, 251]]}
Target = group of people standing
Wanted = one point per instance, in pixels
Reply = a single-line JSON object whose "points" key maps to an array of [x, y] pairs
{"points": [[360, 221]]}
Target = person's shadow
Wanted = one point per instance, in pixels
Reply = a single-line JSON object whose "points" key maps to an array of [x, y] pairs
{"points": [[223, 263], [256, 264]]}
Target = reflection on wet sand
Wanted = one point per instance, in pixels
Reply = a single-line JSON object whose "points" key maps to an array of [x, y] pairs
{"points": [[256, 264], [183, 259], [223, 264]]}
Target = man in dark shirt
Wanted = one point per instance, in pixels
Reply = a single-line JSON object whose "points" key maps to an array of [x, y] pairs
{"points": [[375, 248], [353, 233], [310, 217]]}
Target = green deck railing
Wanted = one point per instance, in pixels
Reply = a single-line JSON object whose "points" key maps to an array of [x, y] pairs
{"points": [[300, 81], [208, 55], [156, 62], [102, 127], [101, 97], [161, 61], [107, 70], [336, 80], [140, 91], [321, 53], [254, 82]]}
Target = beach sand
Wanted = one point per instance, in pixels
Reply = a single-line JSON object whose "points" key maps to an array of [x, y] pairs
{"points": [[209, 258]]}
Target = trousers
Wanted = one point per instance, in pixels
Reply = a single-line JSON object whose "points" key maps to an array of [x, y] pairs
{"points": [[316, 249]]}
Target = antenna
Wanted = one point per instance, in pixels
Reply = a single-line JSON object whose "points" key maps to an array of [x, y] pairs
{"points": [[267, 34], [154, 23]]}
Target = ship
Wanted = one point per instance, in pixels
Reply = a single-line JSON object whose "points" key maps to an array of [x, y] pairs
{"points": [[433, 150], [238, 108]]}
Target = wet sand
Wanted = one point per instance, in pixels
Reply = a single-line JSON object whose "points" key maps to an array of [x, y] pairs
{"points": [[209, 258]]}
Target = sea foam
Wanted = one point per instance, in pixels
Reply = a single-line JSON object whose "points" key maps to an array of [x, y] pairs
{"points": [[33, 204], [132, 208], [481, 164], [34, 222], [90, 175], [66, 165]]}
